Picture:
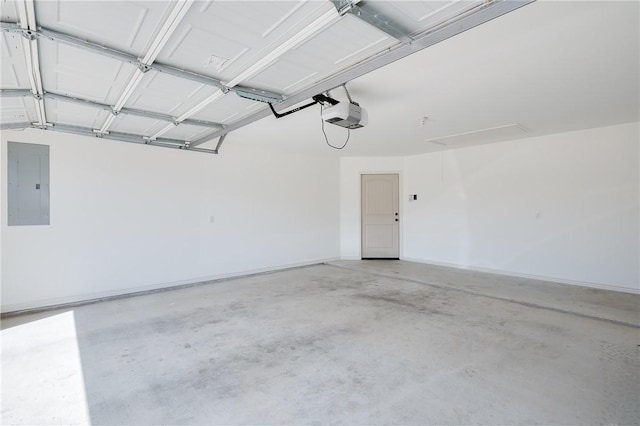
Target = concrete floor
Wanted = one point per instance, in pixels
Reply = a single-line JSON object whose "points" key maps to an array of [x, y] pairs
{"points": [[367, 342]]}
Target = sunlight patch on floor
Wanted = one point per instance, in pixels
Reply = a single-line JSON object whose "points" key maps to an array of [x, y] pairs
{"points": [[42, 379]]}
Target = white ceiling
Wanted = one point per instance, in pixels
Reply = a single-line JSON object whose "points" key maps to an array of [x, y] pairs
{"points": [[551, 66], [548, 67]]}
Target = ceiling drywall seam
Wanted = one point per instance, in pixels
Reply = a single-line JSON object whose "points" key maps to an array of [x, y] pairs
{"points": [[168, 27]]}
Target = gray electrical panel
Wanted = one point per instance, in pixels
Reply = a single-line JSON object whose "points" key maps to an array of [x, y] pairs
{"points": [[28, 184]]}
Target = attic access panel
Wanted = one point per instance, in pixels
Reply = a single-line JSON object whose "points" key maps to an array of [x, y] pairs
{"points": [[169, 73]]}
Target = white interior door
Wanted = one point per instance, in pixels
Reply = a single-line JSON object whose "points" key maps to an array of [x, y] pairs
{"points": [[380, 217]]}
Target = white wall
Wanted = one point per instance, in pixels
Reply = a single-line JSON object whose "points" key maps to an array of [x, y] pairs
{"points": [[126, 217], [564, 207]]}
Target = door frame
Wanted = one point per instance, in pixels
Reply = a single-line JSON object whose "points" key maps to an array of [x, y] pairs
{"points": [[400, 208]]}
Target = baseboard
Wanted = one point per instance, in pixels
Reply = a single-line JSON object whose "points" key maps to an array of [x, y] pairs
{"points": [[71, 301], [529, 276]]}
